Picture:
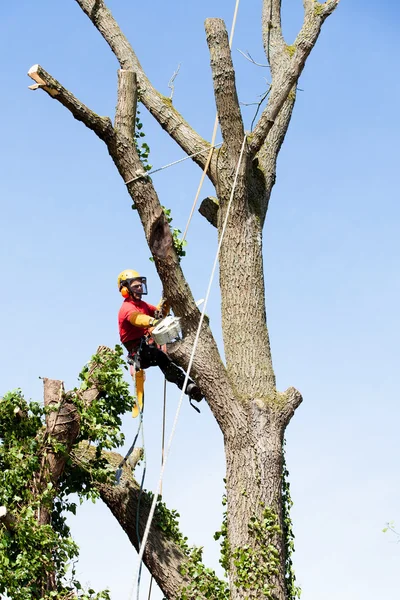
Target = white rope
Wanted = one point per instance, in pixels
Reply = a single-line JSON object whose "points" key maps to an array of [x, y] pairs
{"points": [[155, 498], [176, 162]]}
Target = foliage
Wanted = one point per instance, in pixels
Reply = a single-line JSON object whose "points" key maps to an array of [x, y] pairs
{"points": [[293, 591], [256, 564], [143, 149], [179, 244], [31, 552], [390, 526], [204, 581], [222, 535]]}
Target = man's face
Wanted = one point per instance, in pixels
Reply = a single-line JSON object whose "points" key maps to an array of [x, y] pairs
{"points": [[136, 288]]}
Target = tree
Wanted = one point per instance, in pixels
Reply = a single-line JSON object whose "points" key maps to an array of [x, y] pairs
{"points": [[241, 391]]}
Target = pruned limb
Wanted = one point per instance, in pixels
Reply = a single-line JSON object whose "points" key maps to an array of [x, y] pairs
{"points": [[285, 73], [162, 556], [292, 400], [6, 518], [158, 105], [209, 209], [229, 115], [273, 40], [125, 113], [100, 125]]}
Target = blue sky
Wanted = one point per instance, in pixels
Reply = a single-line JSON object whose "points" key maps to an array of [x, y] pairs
{"points": [[331, 259]]}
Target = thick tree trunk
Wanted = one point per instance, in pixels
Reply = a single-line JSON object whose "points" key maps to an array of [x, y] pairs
{"points": [[254, 500]]}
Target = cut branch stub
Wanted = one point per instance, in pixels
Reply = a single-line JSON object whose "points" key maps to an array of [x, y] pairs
{"points": [[125, 113], [209, 209]]}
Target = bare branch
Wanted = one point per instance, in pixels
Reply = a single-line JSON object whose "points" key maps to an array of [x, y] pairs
{"points": [[228, 108], [158, 105], [125, 113], [268, 154], [100, 125], [251, 59], [271, 28], [285, 73]]}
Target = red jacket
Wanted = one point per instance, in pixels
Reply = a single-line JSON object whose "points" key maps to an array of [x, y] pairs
{"points": [[127, 331]]}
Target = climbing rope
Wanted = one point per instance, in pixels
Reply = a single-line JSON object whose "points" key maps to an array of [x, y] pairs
{"points": [[138, 504], [214, 135], [159, 485], [162, 458]]}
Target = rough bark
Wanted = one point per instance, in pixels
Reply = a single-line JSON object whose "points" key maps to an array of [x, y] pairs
{"points": [[162, 556], [242, 394]]}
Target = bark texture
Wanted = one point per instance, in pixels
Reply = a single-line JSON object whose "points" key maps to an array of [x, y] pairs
{"points": [[241, 390]]}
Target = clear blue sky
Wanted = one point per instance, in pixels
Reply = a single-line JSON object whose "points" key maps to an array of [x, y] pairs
{"points": [[331, 254]]}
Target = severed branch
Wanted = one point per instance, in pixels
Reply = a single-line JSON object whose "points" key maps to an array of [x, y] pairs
{"points": [[292, 400], [100, 125], [223, 73], [125, 113], [158, 105], [209, 209]]}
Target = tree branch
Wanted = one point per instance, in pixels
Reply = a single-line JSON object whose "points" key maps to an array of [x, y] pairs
{"points": [[100, 125], [268, 154], [273, 40], [223, 73], [162, 556], [287, 73], [158, 105], [125, 113], [209, 209], [292, 400]]}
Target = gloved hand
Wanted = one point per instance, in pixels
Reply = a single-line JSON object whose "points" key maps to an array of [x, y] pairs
{"points": [[163, 309], [153, 324]]}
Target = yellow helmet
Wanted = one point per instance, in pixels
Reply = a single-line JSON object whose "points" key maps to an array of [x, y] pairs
{"points": [[125, 279], [127, 274]]}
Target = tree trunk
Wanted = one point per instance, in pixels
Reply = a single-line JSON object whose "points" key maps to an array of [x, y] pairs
{"points": [[254, 499]]}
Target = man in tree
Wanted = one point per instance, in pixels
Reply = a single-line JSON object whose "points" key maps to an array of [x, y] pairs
{"points": [[136, 320]]}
